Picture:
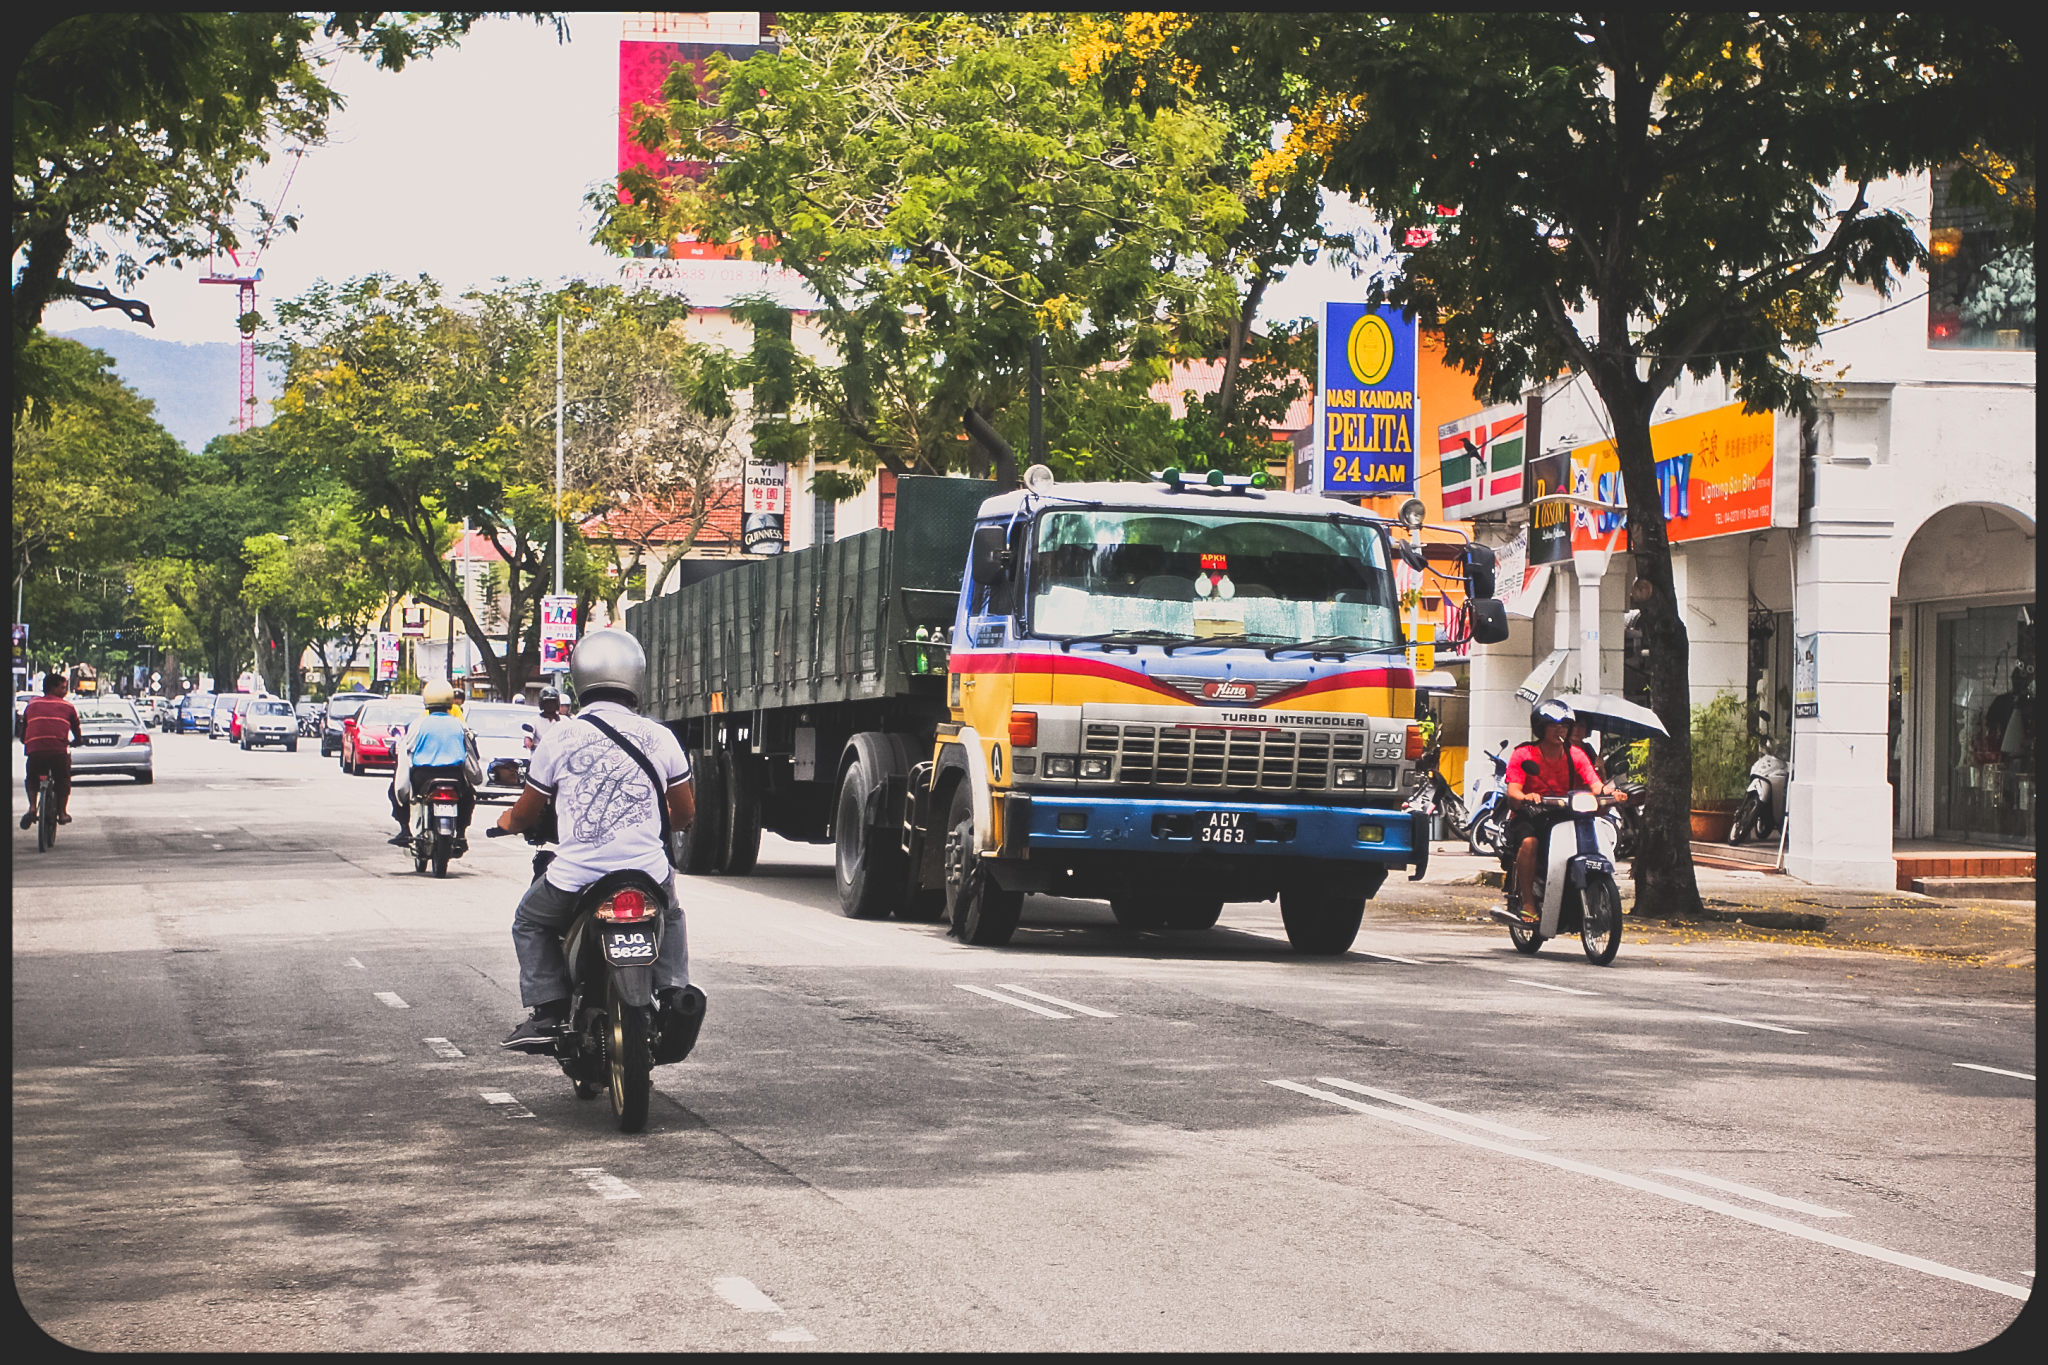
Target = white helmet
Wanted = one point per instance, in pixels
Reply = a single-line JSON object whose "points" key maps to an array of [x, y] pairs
{"points": [[609, 660]]}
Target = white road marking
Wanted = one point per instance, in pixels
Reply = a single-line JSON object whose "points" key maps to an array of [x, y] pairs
{"points": [[442, 1047], [391, 998], [1673, 1192], [1749, 1023], [220, 845], [1389, 957], [351, 962], [739, 1291], [606, 1186], [1020, 1004], [1546, 986], [1520, 1134], [793, 1334], [1996, 1070], [1063, 1004], [511, 1107], [1750, 1192]]}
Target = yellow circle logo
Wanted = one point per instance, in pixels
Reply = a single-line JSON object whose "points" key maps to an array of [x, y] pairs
{"points": [[1372, 349]]}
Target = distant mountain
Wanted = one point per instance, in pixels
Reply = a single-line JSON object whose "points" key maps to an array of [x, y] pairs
{"points": [[194, 385]]}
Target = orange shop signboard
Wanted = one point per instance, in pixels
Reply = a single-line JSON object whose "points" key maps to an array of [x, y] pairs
{"points": [[1713, 470]]}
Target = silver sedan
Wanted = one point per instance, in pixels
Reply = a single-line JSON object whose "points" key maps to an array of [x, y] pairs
{"points": [[115, 742]]}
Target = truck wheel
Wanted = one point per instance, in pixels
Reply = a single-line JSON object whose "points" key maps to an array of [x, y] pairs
{"points": [[1321, 924], [868, 873], [742, 813], [982, 912], [1200, 913], [702, 844]]}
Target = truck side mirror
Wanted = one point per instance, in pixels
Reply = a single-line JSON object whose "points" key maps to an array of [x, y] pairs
{"points": [[1479, 575], [990, 560], [1489, 620]]}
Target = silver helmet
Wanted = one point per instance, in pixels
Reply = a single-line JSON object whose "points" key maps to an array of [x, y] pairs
{"points": [[609, 658]]}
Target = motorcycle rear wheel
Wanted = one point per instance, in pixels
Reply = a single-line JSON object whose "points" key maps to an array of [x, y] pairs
{"points": [[1526, 939], [629, 1049], [1746, 817], [1600, 920], [419, 859], [1483, 839], [442, 845]]}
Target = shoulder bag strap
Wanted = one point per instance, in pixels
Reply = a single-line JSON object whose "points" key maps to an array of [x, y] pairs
{"points": [[660, 791]]}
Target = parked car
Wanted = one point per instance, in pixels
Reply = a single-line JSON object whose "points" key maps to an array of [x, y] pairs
{"points": [[191, 713], [501, 743], [341, 709], [226, 711], [371, 738], [270, 720], [115, 742]]}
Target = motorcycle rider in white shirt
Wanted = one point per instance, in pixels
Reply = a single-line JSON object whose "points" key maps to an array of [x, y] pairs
{"points": [[607, 822]]}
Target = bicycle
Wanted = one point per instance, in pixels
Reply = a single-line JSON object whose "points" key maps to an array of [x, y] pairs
{"points": [[46, 813]]}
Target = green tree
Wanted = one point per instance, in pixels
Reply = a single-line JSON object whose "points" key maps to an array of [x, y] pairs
{"points": [[326, 580], [954, 198], [1640, 196], [143, 129]]}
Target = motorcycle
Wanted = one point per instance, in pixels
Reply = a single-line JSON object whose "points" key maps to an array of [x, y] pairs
{"points": [[434, 840], [1574, 882], [1433, 795], [615, 1034], [1490, 818], [1763, 805]]}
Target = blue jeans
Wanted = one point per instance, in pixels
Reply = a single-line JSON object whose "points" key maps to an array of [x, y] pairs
{"points": [[546, 910]]}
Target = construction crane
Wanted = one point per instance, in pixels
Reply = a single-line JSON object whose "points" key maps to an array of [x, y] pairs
{"points": [[245, 278]]}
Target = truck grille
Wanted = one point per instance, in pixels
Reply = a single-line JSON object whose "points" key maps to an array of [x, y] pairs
{"points": [[1235, 757]]}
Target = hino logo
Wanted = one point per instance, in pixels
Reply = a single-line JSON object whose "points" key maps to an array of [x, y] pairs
{"points": [[1227, 691]]}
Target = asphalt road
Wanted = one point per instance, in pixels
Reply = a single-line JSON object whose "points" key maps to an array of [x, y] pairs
{"points": [[259, 1105]]}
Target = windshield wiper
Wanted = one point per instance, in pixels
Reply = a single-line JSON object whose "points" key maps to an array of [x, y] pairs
{"points": [[1167, 640], [1326, 646]]}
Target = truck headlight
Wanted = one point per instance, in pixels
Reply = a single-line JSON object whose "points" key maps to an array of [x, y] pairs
{"points": [[1059, 765], [1372, 834], [1380, 778], [1349, 777], [1095, 767]]}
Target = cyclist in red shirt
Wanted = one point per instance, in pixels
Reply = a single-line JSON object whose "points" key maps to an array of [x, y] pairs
{"points": [[1551, 766], [49, 727]]}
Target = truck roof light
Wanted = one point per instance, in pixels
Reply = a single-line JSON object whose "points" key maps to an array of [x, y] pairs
{"points": [[1038, 479]]}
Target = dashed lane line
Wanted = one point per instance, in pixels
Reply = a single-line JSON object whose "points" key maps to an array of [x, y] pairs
{"points": [[603, 1185], [1011, 1000], [442, 1047], [1519, 1134], [1546, 986], [392, 999], [739, 1291], [351, 962], [505, 1104], [1751, 1192], [1673, 1192], [1063, 1004], [1749, 1023], [1389, 957], [1995, 1070]]}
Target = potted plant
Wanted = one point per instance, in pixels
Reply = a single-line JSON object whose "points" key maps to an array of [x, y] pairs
{"points": [[1720, 766]]}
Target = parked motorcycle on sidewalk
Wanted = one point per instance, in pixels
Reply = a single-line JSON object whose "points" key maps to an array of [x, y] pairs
{"points": [[1575, 886], [1490, 817], [1763, 806], [615, 1034], [434, 836]]}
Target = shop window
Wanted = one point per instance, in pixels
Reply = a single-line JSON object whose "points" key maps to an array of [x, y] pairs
{"points": [[1980, 282], [824, 520], [1984, 707]]}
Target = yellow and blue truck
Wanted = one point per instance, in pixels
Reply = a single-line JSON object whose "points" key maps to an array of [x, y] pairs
{"points": [[1166, 695]]}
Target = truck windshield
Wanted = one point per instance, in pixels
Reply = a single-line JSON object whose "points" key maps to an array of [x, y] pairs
{"points": [[1201, 575]]}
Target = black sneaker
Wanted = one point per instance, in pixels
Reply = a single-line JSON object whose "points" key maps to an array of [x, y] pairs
{"points": [[400, 841], [28, 819], [536, 1033]]}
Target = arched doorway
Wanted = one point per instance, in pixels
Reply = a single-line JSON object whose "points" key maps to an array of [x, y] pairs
{"points": [[1962, 675]]}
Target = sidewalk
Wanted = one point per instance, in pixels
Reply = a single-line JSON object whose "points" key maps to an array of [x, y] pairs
{"points": [[1761, 907]]}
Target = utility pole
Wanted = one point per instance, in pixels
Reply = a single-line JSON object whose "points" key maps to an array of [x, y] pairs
{"points": [[559, 395]]}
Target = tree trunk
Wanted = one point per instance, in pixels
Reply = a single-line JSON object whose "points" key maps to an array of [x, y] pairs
{"points": [[1666, 887]]}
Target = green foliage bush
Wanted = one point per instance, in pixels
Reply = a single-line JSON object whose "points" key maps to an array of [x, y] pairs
{"points": [[1720, 750]]}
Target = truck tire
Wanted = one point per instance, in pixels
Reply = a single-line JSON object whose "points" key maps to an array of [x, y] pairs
{"points": [[699, 848], [982, 912], [1319, 923], [742, 813], [868, 872]]}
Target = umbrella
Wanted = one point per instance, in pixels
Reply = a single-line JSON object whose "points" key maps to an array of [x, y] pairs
{"points": [[1615, 718]]}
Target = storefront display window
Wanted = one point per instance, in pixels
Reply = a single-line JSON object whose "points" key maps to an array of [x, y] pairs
{"points": [[1980, 281], [1985, 784]]}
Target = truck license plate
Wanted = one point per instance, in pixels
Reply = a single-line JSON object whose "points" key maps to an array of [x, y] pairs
{"points": [[1223, 827]]}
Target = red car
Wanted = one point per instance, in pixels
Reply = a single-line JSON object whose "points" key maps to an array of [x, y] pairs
{"points": [[370, 738]]}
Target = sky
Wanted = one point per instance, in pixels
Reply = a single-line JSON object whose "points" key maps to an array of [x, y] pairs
{"points": [[467, 167]]}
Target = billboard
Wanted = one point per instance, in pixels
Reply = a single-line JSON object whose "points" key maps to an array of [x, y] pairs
{"points": [[1550, 526], [387, 656], [557, 631], [1714, 470], [1366, 411], [1482, 457], [764, 507], [412, 622], [651, 43]]}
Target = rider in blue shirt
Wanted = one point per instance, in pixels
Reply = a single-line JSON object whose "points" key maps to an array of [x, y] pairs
{"points": [[437, 746]]}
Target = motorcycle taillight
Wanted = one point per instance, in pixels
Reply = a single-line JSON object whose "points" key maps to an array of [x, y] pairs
{"points": [[624, 906]]}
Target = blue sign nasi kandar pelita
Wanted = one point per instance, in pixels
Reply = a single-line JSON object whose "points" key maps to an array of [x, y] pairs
{"points": [[1365, 403]]}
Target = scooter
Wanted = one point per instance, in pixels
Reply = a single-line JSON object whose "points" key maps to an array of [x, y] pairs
{"points": [[616, 1034], [434, 837], [1490, 819], [1574, 882], [1763, 805]]}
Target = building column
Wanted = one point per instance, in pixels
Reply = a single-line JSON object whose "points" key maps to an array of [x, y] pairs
{"points": [[1840, 802]]}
